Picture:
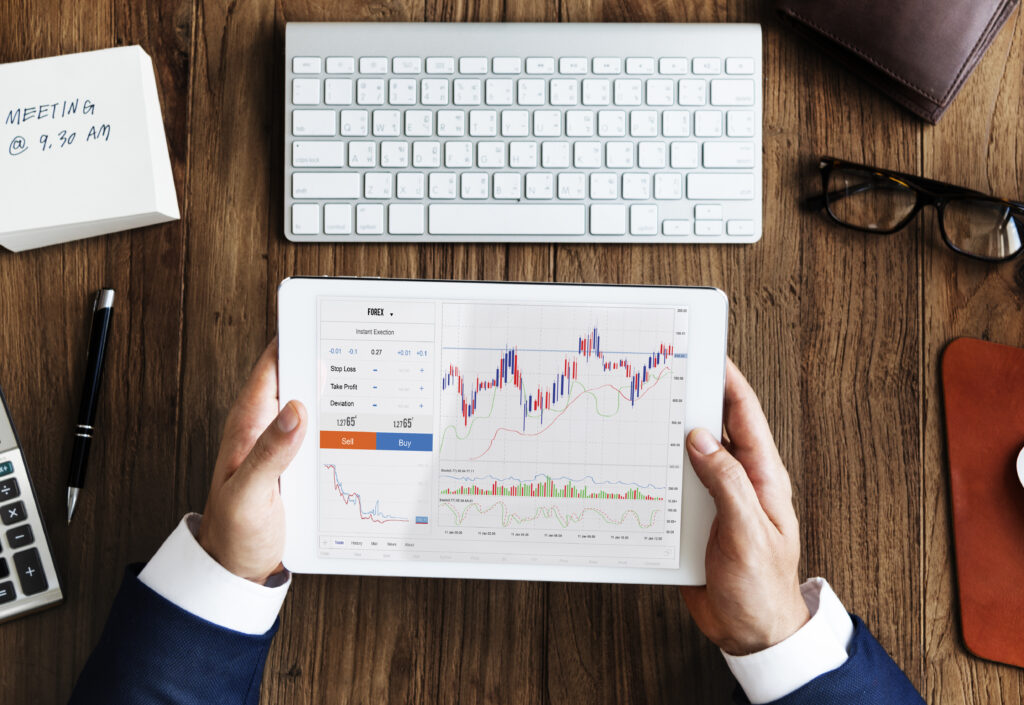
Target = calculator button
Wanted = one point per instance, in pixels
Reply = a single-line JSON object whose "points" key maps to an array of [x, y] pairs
{"points": [[6, 468], [12, 513], [4, 570], [9, 489], [20, 536], [30, 572], [7, 593]]}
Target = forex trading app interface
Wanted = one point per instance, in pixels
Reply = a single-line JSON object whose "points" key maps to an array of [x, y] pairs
{"points": [[501, 432]]}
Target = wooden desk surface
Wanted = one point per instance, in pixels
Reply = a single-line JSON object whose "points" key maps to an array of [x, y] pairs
{"points": [[841, 334]]}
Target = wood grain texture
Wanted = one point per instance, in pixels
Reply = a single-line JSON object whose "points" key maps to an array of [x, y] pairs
{"points": [[840, 333]]}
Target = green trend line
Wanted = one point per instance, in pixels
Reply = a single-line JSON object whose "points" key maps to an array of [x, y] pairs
{"points": [[568, 400], [564, 520]]}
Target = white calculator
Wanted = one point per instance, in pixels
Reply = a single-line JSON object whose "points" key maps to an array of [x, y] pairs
{"points": [[28, 577]]}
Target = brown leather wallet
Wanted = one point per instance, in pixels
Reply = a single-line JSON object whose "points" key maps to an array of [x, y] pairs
{"points": [[983, 385], [918, 52]]}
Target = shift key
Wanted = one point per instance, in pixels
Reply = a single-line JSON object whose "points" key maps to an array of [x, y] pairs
{"points": [[30, 572], [720, 187]]}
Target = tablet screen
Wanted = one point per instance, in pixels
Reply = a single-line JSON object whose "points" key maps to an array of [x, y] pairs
{"points": [[491, 432]]}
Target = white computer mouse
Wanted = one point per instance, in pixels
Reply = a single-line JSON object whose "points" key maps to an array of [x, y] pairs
{"points": [[1020, 466]]}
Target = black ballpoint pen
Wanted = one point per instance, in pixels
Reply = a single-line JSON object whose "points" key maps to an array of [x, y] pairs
{"points": [[101, 311]]}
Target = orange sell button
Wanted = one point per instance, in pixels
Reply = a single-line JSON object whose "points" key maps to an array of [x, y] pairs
{"points": [[350, 440]]}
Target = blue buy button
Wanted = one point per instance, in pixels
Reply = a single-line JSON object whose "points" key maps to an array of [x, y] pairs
{"points": [[6, 468], [405, 441]]}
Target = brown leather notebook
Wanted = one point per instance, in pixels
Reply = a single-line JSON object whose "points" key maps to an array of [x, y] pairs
{"points": [[919, 52], [984, 398]]}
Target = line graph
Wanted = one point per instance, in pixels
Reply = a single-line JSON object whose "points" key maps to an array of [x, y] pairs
{"points": [[374, 514], [547, 516], [547, 488]]}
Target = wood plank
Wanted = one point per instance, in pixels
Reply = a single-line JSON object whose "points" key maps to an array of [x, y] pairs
{"points": [[977, 144], [48, 296]]}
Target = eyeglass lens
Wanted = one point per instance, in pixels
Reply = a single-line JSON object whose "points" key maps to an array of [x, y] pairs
{"points": [[982, 228], [863, 199]]}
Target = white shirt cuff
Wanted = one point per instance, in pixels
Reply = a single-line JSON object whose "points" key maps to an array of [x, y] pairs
{"points": [[817, 647], [183, 573]]}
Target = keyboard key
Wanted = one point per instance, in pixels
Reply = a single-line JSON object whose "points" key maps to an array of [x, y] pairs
{"points": [[467, 91], [572, 186], [20, 536], [369, 219], [473, 64], [341, 64], [370, 91], [579, 123], [360, 155], [475, 185], [564, 91], [707, 123], [587, 155], [314, 123], [636, 187], [407, 64], [7, 593], [13, 513], [434, 91], [720, 187], [728, 155], [683, 155], [338, 219], [344, 185], [619, 155], [9, 489], [410, 185], [651, 155], [451, 123], [707, 212], [643, 123], [440, 65], [607, 65], [597, 91], [305, 91], [387, 123], [30, 572], [732, 92], [515, 123], [507, 64], [540, 65], [693, 91], [442, 185], [507, 186], [305, 219], [707, 66], [306, 64], [394, 154], [338, 91], [677, 227], [532, 91], [490, 155], [373, 64], [6, 468], [673, 66], [419, 123], [660, 91], [318, 154], [402, 91], [675, 123], [4, 570], [640, 66], [554, 155], [739, 65], [483, 123], [707, 227], [458, 155], [628, 91], [540, 186], [501, 219], [740, 227], [739, 123], [426, 155], [643, 220], [547, 123], [572, 65], [522, 155], [608, 220], [604, 187], [498, 91], [377, 186], [406, 219], [611, 123]]}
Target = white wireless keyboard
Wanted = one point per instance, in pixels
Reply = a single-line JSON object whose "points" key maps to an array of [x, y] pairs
{"points": [[523, 132]]}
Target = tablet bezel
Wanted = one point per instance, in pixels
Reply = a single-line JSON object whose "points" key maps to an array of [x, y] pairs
{"points": [[297, 350]]}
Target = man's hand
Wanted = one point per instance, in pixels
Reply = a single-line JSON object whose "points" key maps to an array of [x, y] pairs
{"points": [[243, 525], [752, 599]]}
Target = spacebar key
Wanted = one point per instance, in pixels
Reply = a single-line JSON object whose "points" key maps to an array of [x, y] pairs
{"points": [[501, 219]]}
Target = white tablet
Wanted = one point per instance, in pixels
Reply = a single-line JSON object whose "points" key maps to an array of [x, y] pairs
{"points": [[496, 430]]}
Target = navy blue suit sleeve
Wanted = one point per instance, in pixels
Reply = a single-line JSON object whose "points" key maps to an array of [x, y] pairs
{"points": [[868, 677], [152, 651]]}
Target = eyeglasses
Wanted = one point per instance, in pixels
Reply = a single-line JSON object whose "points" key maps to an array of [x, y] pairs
{"points": [[880, 201]]}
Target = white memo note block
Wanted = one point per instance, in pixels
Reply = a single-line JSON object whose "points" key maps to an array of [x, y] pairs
{"points": [[82, 148]]}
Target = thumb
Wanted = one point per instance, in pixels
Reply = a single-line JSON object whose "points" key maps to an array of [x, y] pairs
{"points": [[723, 476], [277, 445]]}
